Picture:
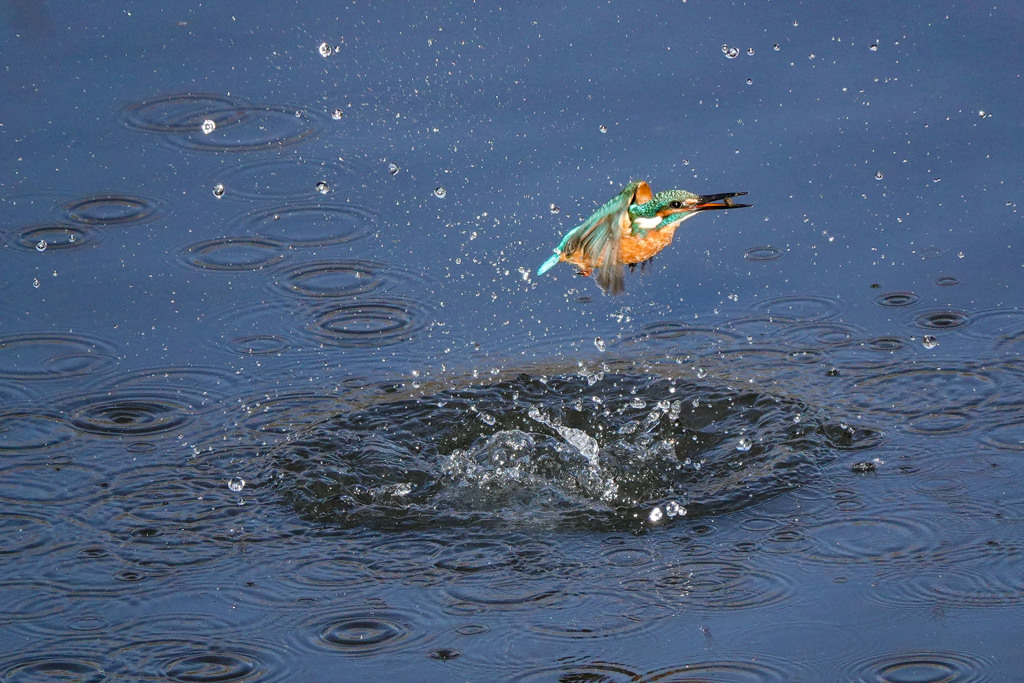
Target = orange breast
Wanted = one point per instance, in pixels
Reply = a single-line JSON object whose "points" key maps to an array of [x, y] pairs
{"points": [[635, 250]]}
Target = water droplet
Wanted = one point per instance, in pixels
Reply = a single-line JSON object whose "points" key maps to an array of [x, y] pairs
{"points": [[744, 444], [983, 114], [929, 341], [236, 484], [686, 162], [218, 190], [701, 373], [393, 168], [796, 418], [599, 343], [750, 51], [337, 114], [440, 192], [776, 47], [750, 81], [656, 515], [873, 47], [209, 125], [35, 282], [555, 209], [603, 128], [487, 418], [637, 402], [796, 23], [730, 52], [878, 175], [322, 187], [674, 509], [325, 50], [41, 245]]}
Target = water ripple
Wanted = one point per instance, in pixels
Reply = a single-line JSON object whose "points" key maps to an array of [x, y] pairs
{"points": [[919, 390], [596, 671], [129, 414], [23, 431], [922, 665], [57, 236], [763, 253], [108, 210], [756, 669], [368, 323], [800, 307], [46, 356], [234, 253], [718, 584], [369, 632], [310, 225], [342, 278], [877, 537], [197, 661], [291, 179]]}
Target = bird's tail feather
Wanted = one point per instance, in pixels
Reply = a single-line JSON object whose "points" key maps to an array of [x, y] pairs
{"points": [[555, 258]]}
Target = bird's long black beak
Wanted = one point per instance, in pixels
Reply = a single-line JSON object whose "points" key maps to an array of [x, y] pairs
{"points": [[719, 201]]}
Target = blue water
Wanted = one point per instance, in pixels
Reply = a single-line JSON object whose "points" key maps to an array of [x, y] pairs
{"points": [[286, 400]]}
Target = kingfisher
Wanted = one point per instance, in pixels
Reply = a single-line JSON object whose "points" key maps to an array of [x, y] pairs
{"points": [[630, 229]]}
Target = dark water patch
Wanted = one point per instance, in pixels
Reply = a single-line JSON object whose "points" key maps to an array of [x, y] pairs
{"points": [[49, 356], [311, 224], [897, 299], [54, 236], [342, 278], [216, 123], [292, 179], [235, 253], [921, 665], [763, 253], [800, 307], [112, 210], [367, 323], [629, 450], [943, 319], [22, 432]]}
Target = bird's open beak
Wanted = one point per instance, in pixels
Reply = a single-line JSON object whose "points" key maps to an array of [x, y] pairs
{"points": [[719, 201]]}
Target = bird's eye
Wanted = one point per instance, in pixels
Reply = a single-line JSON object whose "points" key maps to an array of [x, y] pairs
{"points": [[676, 204]]}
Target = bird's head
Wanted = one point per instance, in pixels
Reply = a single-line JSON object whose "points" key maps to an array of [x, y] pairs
{"points": [[673, 206]]}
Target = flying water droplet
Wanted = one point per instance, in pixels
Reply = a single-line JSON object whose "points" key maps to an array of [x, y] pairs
{"points": [[603, 128], [236, 484], [35, 282], [599, 343], [487, 418], [555, 209], [701, 373], [656, 515], [41, 245], [750, 51], [674, 509], [879, 175], [209, 125], [637, 402], [325, 50], [218, 190], [744, 444], [337, 114], [873, 47], [322, 187], [440, 192], [730, 52], [776, 47], [393, 168], [929, 341]]}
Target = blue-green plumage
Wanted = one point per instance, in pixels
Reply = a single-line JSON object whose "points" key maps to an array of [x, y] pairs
{"points": [[629, 229]]}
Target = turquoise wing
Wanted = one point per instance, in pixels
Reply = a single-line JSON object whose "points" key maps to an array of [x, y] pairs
{"points": [[595, 242]]}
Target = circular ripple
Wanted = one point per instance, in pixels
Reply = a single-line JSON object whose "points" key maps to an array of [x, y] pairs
{"points": [[1008, 437], [247, 128], [858, 539], [491, 592], [999, 323], [684, 337], [25, 431], [953, 588], [924, 666], [716, 585], [56, 236], [915, 391], [49, 483], [763, 253], [112, 209], [20, 533], [823, 333], [369, 323], [284, 179], [192, 662], [341, 278], [946, 281], [258, 344], [800, 307], [235, 253], [131, 414], [938, 424], [598, 672], [178, 113], [310, 225], [897, 299], [942, 319], [367, 633], [35, 668], [725, 670], [51, 356]]}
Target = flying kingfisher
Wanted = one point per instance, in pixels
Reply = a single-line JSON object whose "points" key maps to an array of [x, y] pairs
{"points": [[631, 229]]}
